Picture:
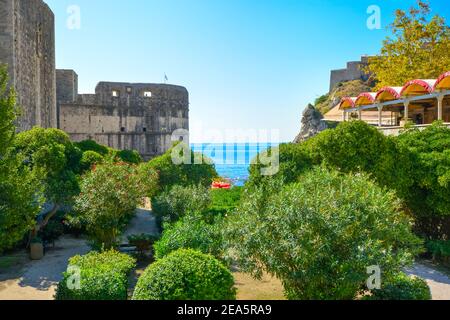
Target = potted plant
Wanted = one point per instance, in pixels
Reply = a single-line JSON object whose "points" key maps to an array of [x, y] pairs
{"points": [[142, 242], [36, 249]]}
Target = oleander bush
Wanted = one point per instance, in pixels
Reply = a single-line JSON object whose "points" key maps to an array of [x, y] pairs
{"points": [[402, 287], [102, 276], [107, 202], [319, 235], [186, 275]]}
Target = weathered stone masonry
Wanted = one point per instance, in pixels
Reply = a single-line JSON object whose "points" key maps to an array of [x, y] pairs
{"points": [[27, 45], [141, 117], [138, 117]]}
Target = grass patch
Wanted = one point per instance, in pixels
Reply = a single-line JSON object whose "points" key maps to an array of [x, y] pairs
{"points": [[268, 288]]}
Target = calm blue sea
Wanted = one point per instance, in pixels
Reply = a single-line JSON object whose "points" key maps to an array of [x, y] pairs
{"points": [[232, 160]]}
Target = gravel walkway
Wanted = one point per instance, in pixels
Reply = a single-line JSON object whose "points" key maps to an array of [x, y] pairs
{"points": [[439, 283]]}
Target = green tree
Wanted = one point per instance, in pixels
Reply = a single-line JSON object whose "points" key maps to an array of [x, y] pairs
{"points": [[109, 196], [191, 172], [417, 49], [428, 197], [19, 196], [55, 161], [319, 236]]}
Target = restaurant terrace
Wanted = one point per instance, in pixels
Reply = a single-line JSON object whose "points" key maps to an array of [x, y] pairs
{"points": [[420, 102]]}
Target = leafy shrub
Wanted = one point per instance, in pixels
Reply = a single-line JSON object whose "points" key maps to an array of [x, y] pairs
{"points": [[171, 174], [52, 231], [319, 235], [428, 196], [89, 159], [402, 287], [108, 199], [191, 232], [294, 160], [129, 156], [179, 201], [186, 275], [440, 250], [91, 145], [103, 276], [142, 242], [224, 201]]}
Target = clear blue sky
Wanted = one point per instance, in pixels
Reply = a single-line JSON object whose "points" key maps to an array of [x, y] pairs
{"points": [[248, 64]]}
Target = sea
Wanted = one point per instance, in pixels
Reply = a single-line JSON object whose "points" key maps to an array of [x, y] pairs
{"points": [[232, 160]]}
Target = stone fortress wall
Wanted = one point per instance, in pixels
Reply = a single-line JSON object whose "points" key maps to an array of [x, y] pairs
{"points": [[27, 45], [353, 71], [141, 117], [138, 117]]}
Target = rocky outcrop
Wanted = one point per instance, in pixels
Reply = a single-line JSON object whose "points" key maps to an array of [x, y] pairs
{"points": [[312, 124]]}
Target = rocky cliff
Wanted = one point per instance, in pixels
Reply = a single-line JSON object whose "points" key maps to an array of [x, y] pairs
{"points": [[312, 124]]}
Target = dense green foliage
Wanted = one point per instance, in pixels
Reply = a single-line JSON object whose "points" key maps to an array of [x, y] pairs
{"points": [[415, 165], [8, 111], [294, 160], [103, 276], [186, 275], [402, 287], [416, 49], [428, 197], [129, 156], [439, 250], [109, 195], [172, 204], [91, 145], [171, 173], [89, 159], [224, 201], [55, 161], [192, 232], [319, 235], [19, 197]]}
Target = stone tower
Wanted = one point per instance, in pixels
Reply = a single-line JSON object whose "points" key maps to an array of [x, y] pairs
{"points": [[27, 46]]}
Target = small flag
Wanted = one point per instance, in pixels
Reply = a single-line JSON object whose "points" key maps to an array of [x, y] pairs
{"points": [[165, 78]]}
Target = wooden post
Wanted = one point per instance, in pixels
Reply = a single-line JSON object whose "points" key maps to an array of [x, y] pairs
{"points": [[359, 114], [343, 115], [440, 99]]}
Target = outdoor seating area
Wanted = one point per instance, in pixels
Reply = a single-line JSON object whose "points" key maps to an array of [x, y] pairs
{"points": [[419, 102]]}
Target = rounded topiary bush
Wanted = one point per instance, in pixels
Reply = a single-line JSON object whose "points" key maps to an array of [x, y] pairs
{"points": [[186, 275], [403, 287]]}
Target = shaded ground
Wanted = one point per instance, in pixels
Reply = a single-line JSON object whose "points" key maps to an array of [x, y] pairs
{"points": [[23, 279], [143, 222], [36, 280], [439, 282]]}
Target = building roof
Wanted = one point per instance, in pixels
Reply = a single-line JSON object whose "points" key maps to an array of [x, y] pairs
{"points": [[417, 87]]}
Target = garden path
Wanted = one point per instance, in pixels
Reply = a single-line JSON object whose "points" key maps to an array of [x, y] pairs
{"points": [[37, 280], [439, 282]]}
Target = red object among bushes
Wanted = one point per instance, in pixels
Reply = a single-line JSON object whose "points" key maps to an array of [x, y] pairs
{"points": [[221, 185]]}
